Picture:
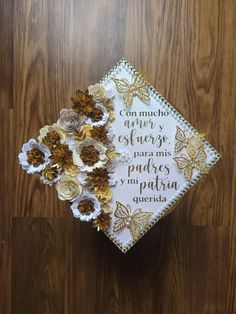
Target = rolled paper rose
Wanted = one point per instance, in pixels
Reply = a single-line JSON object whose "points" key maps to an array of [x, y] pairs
{"points": [[97, 91], [69, 120], [68, 188]]}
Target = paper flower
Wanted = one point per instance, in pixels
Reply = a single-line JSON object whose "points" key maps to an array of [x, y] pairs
{"points": [[34, 156], [86, 207], [51, 135], [83, 103], [102, 222], [50, 175], [98, 178], [89, 155], [99, 133], [97, 91], [98, 117], [68, 188], [62, 156], [69, 120]]}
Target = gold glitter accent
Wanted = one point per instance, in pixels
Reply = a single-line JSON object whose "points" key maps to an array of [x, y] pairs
{"points": [[111, 154], [35, 157], [135, 221], [138, 87]]}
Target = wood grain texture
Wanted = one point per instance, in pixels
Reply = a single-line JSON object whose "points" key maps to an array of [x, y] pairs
{"points": [[50, 263]]}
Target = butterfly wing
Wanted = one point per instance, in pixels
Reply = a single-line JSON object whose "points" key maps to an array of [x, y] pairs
{"points": [[122, 85], [141, 88], [180, 138], [184, 164], [122, 213], [139, 222], [128, 99], [199, 160]]}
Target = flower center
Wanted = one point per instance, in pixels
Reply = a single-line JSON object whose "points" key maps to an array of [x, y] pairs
{"points": [[35, 157], [96, 115], [86, 207], [89, 155]]}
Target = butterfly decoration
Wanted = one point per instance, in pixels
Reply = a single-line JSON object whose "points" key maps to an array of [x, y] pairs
{"points": [[182, 141], [196, 155], [137, 88], [135, 221]]}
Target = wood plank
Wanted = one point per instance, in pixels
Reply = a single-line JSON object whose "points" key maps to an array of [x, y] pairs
{"points": [[38, 265]]}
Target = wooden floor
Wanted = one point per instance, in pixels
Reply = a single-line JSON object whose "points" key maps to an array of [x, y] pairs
{"points": [[50, 263]]}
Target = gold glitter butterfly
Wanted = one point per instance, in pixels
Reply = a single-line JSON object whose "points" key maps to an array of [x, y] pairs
{"points": [[182, 141], [137, 88], [135, 221], [194, 160]]}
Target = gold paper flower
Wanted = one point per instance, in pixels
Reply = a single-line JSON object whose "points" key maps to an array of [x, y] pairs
{"points": [[84, 133], [97, 91], [62, 156], [98, 178], [86, 207], [102, 222], [35, 157], [89, 155], [71, 170], [50, 173], [96, 115], [83, 103], [99, 133], [48, 128], [52, 139], [104, 195], [68, 188]]}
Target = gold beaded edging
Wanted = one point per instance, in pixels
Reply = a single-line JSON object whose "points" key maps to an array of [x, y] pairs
{"points": [[169, 206]]}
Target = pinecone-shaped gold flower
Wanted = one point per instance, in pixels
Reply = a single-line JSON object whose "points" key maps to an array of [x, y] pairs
{"points": [[62, 156], [98, 178], [102, 222], [99, 133], [50, 173], [52, 139], [83, 103]]}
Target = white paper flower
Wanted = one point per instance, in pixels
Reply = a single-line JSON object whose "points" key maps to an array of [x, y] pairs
{"points": [[89, 155], [34, 156], [69, 120], [54, 127], [104, 119], [125, 157], [86, 207], [68, 188]]}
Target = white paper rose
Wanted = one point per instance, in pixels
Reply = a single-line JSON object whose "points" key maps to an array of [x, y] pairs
{"points": [[68, 188], [34, 156], [69, 120], [97, 91], [86, 207]]}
